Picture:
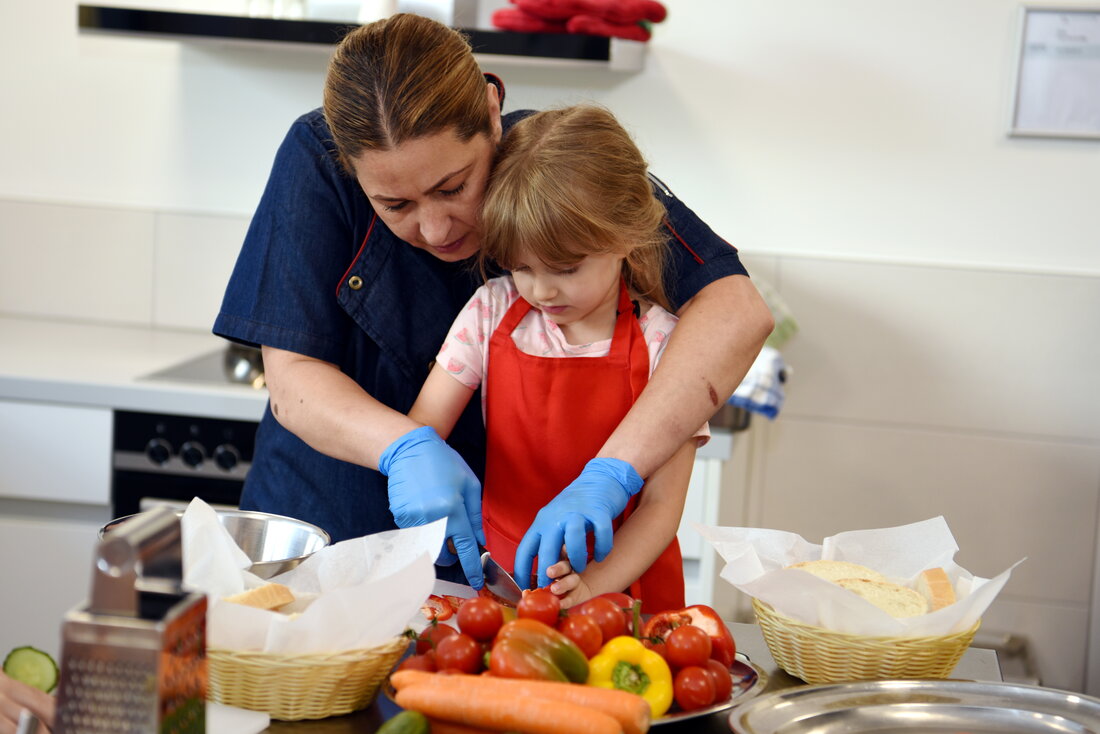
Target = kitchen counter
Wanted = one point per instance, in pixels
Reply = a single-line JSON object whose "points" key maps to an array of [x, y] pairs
{"points": [[65, 362], [976, 664]]}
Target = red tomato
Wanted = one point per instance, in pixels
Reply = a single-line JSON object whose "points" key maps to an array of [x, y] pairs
{"points": [[540, 604], [687, 645], [437, 608], [431, 636], [425, 662], [693, 688], [459, 652], [480, 618], [456, 602], [583, 630], [657, 645], [723, 681], [622, 601], [610, 618]]}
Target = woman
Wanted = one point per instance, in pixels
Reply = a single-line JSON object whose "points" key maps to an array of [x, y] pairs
{"points": [[354, 266]]}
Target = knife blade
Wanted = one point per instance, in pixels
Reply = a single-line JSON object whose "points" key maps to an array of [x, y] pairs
{"points": [[499, 582]]}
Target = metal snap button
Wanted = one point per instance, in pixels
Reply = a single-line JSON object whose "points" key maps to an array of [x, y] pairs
{"points": [[355, 282]]}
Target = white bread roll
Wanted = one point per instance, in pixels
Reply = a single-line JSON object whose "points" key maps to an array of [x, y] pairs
{"points": [[936, 588], [836, 570], [268, 596], [897, 601]]}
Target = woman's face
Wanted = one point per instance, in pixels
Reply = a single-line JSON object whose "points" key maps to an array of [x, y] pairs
{"points": [[428, 190]]}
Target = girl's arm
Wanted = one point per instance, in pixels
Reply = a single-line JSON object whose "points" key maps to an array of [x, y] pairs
{"points": [[440, 402], [640, 540], [720, 332]]}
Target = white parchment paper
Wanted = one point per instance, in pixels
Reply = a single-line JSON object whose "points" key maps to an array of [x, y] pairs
{"points": [[757, 560], [355, 594]]}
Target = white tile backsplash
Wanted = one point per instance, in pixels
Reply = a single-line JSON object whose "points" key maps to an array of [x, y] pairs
{"points": [[76, 262], [945, 347], [1055, 634], [195, 255]]}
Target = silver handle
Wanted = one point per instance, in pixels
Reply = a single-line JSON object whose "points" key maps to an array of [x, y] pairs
{"points": [[28, 723]]}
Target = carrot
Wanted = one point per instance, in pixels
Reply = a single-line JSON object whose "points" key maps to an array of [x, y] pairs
{"points": [[631, 711], [442, 726], [477, 706]]}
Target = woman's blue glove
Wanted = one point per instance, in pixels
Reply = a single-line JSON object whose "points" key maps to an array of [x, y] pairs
{"points": [[591, 502], [429, 480]]}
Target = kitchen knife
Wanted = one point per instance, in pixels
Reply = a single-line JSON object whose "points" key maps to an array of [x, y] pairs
{"points": [[499, 582]]}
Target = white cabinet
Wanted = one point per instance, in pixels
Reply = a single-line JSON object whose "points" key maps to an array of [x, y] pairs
{"points": [[46, 570], [55, 452], [702, 506], [54, 489]]}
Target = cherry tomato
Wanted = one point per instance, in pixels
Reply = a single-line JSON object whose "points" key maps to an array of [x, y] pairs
{"points": [[622, 601], [431, 636], [723, 681], [425, 662], [459, 652], [610, 618], [688, 645], [693, 688], [583, 630], [437, 608], [480, 618], [657, 645], [540, 604]]}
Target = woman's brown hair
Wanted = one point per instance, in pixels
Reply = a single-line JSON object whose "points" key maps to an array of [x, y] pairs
{"points": [[568, 183], [402, 78]]}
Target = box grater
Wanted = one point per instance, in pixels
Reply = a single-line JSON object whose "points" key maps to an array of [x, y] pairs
{"points": [[133, 658]]}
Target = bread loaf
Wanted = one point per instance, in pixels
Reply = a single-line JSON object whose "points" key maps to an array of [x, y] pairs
{"points": [[836, 570], [936, 588], [268, 596], [897, 601]]}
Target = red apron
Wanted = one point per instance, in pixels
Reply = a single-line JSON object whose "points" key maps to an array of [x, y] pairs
{"points": [[546, 417]]}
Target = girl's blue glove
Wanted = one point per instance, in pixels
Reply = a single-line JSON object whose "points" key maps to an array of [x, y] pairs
{"points": [[591, 502], [429, 480]]}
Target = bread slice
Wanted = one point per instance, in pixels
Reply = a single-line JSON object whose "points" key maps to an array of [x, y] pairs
{"points": [[936, 588], [836, 570], [268, 596], [897, 601]]}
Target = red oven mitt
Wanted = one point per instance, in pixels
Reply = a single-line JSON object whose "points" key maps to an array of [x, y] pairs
{"points": [[514, 19], [594, 26]]}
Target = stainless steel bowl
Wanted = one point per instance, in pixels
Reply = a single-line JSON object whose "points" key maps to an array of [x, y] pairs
{"points": [[274, 543]]}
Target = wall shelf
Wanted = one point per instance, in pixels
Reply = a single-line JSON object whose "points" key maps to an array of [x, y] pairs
{"points": [[541, 49]]}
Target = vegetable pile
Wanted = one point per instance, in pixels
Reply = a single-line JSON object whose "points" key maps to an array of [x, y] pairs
{"points": [[596, 667]]}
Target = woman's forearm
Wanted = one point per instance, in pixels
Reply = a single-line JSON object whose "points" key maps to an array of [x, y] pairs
{"points": [[721, 330], [328, 410]]}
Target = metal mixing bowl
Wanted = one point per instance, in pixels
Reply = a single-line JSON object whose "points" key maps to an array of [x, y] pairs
{"points": [[274, 543]]}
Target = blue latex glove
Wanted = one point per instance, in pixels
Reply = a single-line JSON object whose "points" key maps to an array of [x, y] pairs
{"points": [[591, 502], [429, 480]]}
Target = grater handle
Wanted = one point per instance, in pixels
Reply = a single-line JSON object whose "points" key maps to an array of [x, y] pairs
{"points": [[143, 553]]}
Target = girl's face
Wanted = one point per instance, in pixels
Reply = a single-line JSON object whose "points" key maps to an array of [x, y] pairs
{"points": [[428, 190], [583, 296]]}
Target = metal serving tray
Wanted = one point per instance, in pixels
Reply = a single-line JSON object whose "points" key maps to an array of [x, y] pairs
{"points": [[918, 707]]}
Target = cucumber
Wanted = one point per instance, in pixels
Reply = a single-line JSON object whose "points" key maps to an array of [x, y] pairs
{"points": [[406, 722], [33, 667]]}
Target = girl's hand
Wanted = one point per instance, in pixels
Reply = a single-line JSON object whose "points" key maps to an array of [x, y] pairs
{"points": [[16, 696], [570, 587]]}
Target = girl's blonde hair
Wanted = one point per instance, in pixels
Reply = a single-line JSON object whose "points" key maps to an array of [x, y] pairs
{"points": [[402, 78], [569, 183]]}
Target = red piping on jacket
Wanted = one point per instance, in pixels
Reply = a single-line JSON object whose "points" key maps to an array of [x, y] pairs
{"points": [[682, 242], [355, 259]]}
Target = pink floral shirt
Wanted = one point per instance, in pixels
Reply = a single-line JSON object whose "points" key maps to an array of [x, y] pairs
{"points": [[465, 352]]}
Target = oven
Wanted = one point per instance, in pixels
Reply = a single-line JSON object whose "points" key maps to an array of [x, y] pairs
{"points": [[161, 459]]}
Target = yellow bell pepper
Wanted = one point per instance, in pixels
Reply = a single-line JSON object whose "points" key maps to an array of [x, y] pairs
{"points": [[626, 664]]}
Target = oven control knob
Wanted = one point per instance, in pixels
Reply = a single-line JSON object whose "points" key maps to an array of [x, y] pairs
{"points": [[226, 456], [158, 450], [192, 453]]}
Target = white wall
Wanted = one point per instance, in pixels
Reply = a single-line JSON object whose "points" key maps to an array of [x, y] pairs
{"points": [[946, 277]]}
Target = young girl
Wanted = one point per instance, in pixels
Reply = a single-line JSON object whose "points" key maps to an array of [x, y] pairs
{"points": [[561, 349]]}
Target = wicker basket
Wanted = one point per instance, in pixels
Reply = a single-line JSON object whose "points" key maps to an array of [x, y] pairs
{"points": [[293, 687], [818, 655]]}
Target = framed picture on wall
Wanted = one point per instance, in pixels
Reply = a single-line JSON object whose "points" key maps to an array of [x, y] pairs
{"points": [[1058, 73]]}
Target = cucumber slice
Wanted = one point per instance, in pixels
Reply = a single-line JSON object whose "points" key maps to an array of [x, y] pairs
{"points": [[33, 667]]}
